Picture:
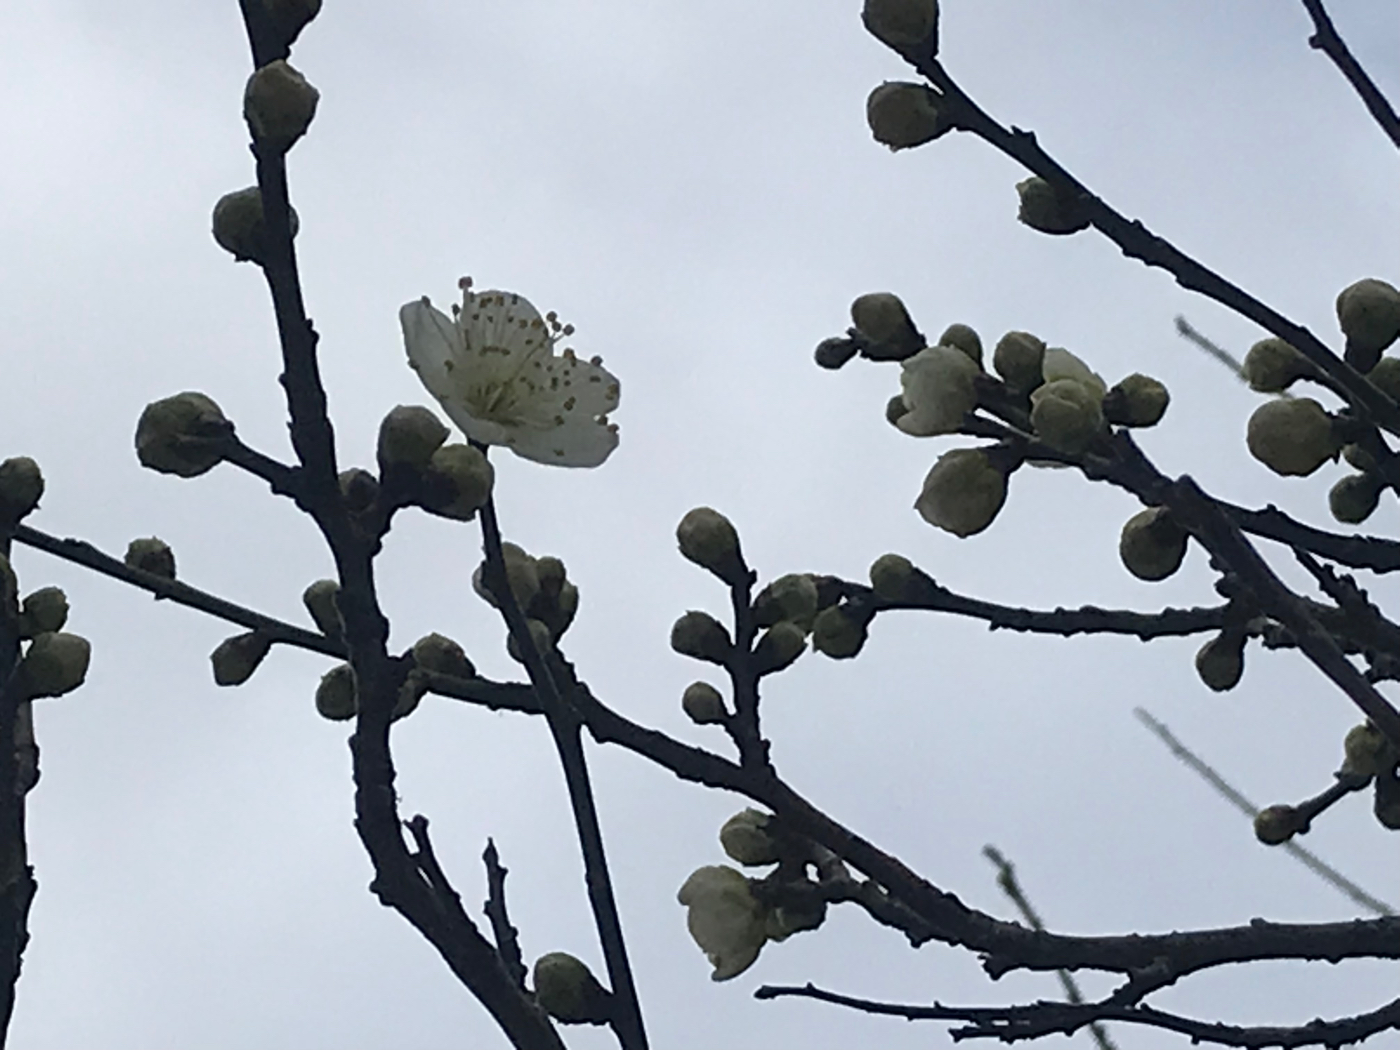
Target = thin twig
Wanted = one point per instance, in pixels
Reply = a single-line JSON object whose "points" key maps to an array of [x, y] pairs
{"points": [[1327, 40], [506, 941]]}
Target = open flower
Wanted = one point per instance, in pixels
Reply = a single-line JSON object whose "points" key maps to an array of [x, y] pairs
{"points": [[493, 368], [725, 919]]}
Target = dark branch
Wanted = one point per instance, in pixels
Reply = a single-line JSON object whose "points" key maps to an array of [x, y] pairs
{"points": [[1326, 39], [495, 908]]}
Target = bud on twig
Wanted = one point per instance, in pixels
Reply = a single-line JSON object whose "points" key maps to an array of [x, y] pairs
{"points": [[408, 437], [44, 611], [278, 105], [457, 482], [902, 115], [335, 696], [963, 493], [568, 991], [837, 633], [21, 485], [1152, 544], [442, 655], [1292, 436], [701, 636], [703, 705], [320, 602], [779, 646], [238, 657], [240, 227], [1138, 401], [746, 839], [902, 24], [184, 435], [54, 664], [152, 555], [710, 540], [1049, 210]]}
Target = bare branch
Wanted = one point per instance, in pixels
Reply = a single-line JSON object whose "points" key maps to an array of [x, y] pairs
{"points": [[1327, 40]]}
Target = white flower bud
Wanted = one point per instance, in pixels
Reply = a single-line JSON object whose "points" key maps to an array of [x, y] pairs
{"points": [[1018, 359], [289, 17], [21, 485], [238, 657], [903, 115], [1220, 662], [540, 635], [441, 655], [939, 391], [457, 482], [152, 555], [1291, 436], [568, 991], [55, 663], [239, 225], [709, 539], [838, 634], [184, 435], [883, 320], [320, 602], [703, 705], [335, 696], [1368, 752], [1152, 544], [1275, 825], [963, 492], [901, 24], [746, 839], [1066, 415], [779, 646], [1385, 377], [44, 611], [792, 597], [1138, 401], [1271, 366], [278, 105], [1059, 363], [726, 920], [895, 579], [1369, 313], [1355, 497], [701, 636], [965, 338], [1048, 210]]}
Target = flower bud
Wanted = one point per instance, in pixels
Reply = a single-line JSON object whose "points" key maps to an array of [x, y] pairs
{"points": [[901, 24], [289, 17], [184, 435], [540, 635], [359, 489], [1066, 415], [335, 696], [442, 655], [1275, 825], [552, 574], [238, 657], [701, 636], [1220, 662], [746, 839], [1059, 363], [569, 992], [965, 338], [21, 485], [1368, 752], [792, 597], [703, 705], [320, 602], [838, 634], [1152, 544], [895, 579], [779, 646], [1291, 436], [1018, 360], [724, 918], [1272, 366], [240, 227], [56, 663], [1355, 497], [278, 105], [902, 115], [1049, 210], [895, 409], [408, 437], [152, 555], [939, 391], [709, 539], [882, 319], [1138, 401], [44, 611], [411, 691], [1385, 377], [1369, 313], [834, 352], [521, 575], [963, 492], [1387, 804], [1359, 458], [457, 482]]}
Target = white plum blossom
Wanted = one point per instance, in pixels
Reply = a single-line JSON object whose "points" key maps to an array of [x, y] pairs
{"points": [[725, 918], [493, 368], [939, 390]]}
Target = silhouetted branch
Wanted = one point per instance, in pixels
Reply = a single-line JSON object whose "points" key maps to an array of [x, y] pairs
{"points": [[1327, 40], [495, 908]]}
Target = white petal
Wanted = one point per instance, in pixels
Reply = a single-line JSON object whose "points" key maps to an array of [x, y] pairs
{"points": [[582, 443], [434, 346]]}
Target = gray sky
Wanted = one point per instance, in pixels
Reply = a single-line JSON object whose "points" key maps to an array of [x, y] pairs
{"points": [[694, 187]]}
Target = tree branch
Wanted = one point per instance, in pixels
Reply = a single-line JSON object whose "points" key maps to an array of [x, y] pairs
{"points": [[1326, 39]]}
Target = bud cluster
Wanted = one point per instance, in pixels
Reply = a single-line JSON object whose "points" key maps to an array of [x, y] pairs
{"points": [[449, 480], [52, 662], [542, 590]]}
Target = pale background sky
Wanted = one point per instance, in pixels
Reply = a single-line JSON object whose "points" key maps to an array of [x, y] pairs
{"points": [[694, 187]]}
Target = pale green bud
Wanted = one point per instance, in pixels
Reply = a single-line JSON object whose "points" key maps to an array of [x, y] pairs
{"points": [[568, 991], [838, 634], [964, 338], [1152, 544], [55, 663], [21, 485], [1355, 497], [901, 24], [359, 489], [1220, 662], [240, 227], [903, 115], [895, 579], [701, 636], [883, 320], [1066, 415], [710, 540], [1291, 436], [184, 435], [441, 655], [1138, 401], [278, 105], [1048, 210], [1368, 752], [1271, 366], [152, 555], [457, 482], [1369, 313], [1385, 377], [703, 705], [1275, 825], [1059, 363], [521, 575], [411, 691], [335, 696], [408, 437], [963, 493], [940, 389], [746, 839], [320, 602], [238, 657], [540, 635], [792, 597], [552, 574], [779, 646], [1018, 359], [44, 611]]}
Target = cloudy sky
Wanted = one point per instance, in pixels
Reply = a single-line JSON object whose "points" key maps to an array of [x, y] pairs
{"points": [[693, 186]]}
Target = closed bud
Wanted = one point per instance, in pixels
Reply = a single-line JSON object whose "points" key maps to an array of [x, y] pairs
{"points": [[779, 646], [1275, 825], [1355, 497], [745, 838], [792, 597], [442, 655], [521, 575], [320, 602], [457, 482], [940, 389], [1152, 544], [54, 664], [540, 635], [1047, 209], [1291, 436], [1385, 377], [552, 574], [240, 228], [44, 611], [278, 105], [882, 319], [289, 17], [963, 337], [709, 539], [568, 991], [1018, 358], [1272, 366], [1369, 313], [21, 485], [408, 437], [834, 352], [335, 696], [184, 435], [895, 409], [1138, 401], [359, 489], [902, 115], [838, 634], [701, 636], [901, 24], [1367, 752], [1220, 662], [238, 657], [963, 493], [152, 555], [703, 705], [895, 579], [1066, 415]]}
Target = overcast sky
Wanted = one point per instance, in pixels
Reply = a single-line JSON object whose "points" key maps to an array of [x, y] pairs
{"points": [[693, 186]]}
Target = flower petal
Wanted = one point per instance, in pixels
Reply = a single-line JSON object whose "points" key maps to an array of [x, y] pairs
{"points": [[433, 344]]}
